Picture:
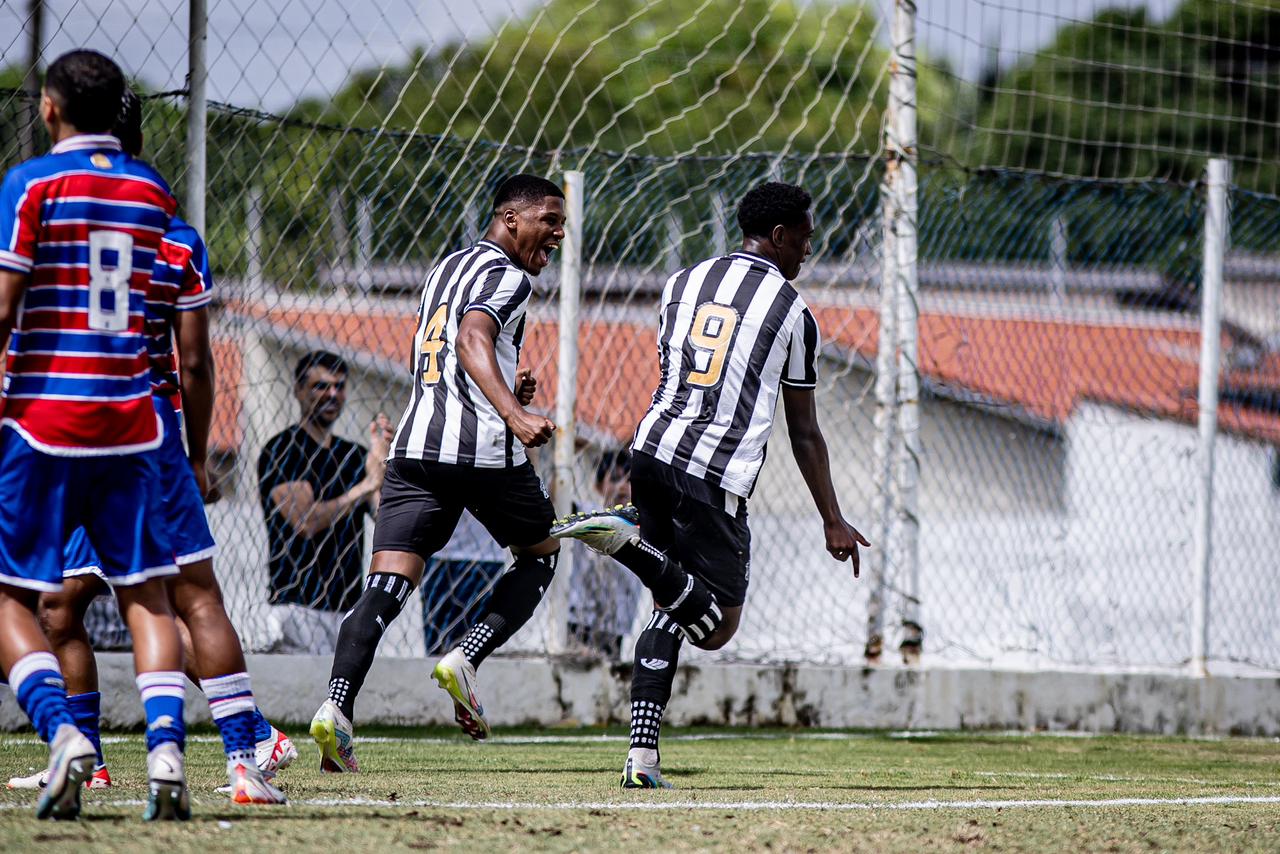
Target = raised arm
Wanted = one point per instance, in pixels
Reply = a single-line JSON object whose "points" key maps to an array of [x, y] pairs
{"points": [[476, 336], [810, 450]]}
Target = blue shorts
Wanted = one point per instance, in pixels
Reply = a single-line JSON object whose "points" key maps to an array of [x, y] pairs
{"points": [[188, 527], [115, 499]]}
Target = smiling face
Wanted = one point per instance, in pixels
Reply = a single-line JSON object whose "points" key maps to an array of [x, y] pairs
{"points": [[535, 230], [323, 393]]}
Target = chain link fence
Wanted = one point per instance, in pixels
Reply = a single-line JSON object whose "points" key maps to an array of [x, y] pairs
{"points": [[1059, 337]]}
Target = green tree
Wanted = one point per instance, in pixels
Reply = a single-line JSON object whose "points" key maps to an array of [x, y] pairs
{"points": [[1124, 97], [706, 77]]}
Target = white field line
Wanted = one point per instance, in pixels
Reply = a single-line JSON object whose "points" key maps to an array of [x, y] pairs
{"points": [[710, 806], [516, 739]]}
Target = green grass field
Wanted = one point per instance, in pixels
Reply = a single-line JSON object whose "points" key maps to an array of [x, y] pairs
{"points": [[737, 790]]}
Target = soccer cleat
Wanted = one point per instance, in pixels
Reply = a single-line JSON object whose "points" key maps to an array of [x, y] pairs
{"points": [[34, 781], [333, 734], [249, 786], [71, 761], [99, 780], [604, 531], [166, 772], [642, 771], [274, 754], [456, 676]]}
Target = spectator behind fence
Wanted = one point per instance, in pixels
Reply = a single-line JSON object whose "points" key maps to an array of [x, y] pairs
{"points": [[457, 583], [602, 600], [315, 489]]}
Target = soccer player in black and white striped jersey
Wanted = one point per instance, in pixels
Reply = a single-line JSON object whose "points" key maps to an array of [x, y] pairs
{"points": [[461, 445], [733, 332]]}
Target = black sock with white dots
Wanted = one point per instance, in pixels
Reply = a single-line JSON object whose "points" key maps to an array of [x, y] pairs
{"points": [[654, 674]]}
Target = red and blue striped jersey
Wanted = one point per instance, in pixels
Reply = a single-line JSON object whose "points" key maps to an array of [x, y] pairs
{"points": [[181, 281], [85, 222]]}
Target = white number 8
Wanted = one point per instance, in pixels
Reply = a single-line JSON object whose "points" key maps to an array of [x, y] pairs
{"points": [[109, 313]]}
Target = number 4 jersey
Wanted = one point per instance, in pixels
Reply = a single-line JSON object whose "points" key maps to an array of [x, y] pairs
{"points": [[731, 330], [85, 223], [449, 420]]}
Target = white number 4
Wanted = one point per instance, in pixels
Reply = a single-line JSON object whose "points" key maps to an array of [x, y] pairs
{"points": [[109, 280]]}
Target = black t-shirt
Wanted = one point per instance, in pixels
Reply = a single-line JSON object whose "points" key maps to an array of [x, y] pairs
{"points": [[324, 571]]}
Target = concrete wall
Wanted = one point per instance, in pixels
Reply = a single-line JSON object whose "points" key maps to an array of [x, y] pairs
{"points": [[536, 691]]}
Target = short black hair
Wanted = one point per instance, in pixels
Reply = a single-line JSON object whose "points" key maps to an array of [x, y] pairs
{"points": [[88, 88], [770, 205], [331, 362], [128, 126], [524, 188], [611, 461]]}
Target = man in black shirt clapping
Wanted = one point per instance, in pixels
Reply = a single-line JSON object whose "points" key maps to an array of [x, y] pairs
{"points": [[315, 488]]}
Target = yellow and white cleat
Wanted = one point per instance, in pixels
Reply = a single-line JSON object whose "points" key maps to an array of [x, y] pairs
{"points": [[334, 735], [458, 678]]}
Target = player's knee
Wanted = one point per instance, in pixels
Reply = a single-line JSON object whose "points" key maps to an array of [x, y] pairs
{"points": [[384, 597], [58, 620], [723, 632]]}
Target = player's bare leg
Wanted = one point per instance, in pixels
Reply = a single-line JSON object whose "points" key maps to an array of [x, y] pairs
{"points": [[392, 576], [515, 598], [61, 616], [157, 658], [217, 662], [36, 679]]}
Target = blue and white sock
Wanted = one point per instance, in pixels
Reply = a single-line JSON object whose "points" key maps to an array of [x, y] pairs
{"points": [[87, 710], [261, 726], [163, 692], [231, 704], [42, 693]]}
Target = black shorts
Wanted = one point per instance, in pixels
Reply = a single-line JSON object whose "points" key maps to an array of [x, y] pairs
{"points": [[422, 502], [678, 518]]}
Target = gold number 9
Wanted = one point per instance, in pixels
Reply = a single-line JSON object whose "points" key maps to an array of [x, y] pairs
{"points": [[712, 332]]}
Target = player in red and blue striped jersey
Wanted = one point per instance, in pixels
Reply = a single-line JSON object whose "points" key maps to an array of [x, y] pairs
{"points": [[80, 229], [176, 301]]}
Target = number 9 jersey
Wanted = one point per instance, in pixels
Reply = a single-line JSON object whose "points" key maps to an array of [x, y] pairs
{"points": [[731, 331], [85, 223]]}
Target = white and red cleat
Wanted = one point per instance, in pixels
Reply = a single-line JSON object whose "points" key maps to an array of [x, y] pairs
{"points": [[101, 779], [250, 786], [275, 753]]}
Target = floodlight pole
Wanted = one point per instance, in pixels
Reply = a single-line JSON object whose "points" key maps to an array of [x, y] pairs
{"points": [[1215, 242], [566, 401], [197, 104]]}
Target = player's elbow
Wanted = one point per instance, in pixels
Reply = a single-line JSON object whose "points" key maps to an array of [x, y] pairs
{"points": [[198, 365], [805, 439]]}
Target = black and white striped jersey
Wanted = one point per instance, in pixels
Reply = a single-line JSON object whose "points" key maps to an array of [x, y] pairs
{"points": [[731, 331], [449, 420]]}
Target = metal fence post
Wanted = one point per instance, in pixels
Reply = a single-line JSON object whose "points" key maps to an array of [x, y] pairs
{"points": [[1215, 241], [566, 401], [197, 78], [253, 242], [901, 180], [31, 81]]}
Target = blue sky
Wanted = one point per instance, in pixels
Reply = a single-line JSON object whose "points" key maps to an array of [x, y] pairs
{"points": [[267, 53]]}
